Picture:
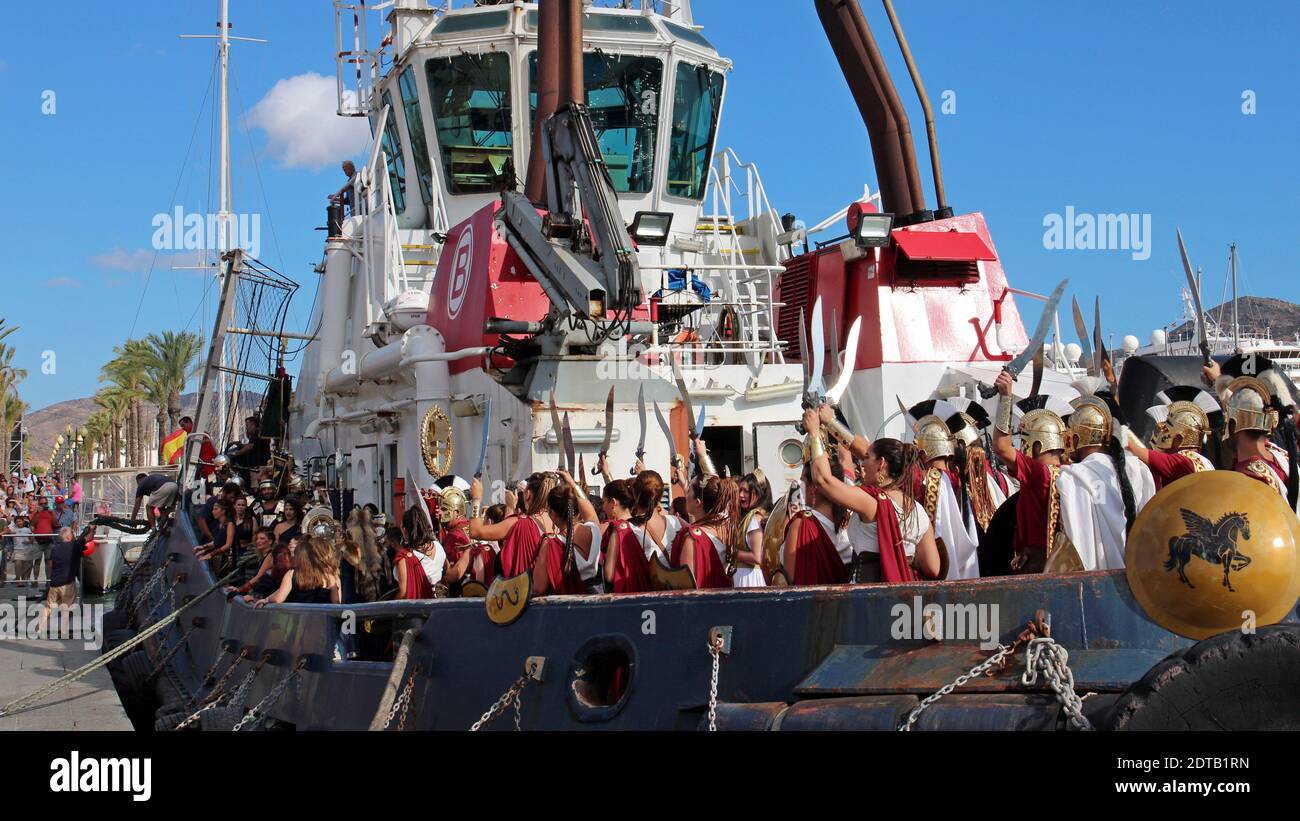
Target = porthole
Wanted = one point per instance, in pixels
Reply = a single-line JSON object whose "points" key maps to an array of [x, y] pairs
{"points": [[601, 678], [792, 453]]}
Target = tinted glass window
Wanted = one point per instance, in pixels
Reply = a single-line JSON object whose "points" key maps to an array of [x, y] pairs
{"points": [[623, 95], [697, 100], [392, 144], [613, 23], [472, 22], [689, 35], [415, 127], [470, 94]]}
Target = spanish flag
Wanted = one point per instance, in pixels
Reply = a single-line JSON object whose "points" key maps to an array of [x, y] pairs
{"points": [[173, 446]]}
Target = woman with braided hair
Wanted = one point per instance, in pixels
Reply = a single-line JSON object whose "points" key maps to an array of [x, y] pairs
{"points": [[655, 527], [568, 544], [626, 565], [713, 504]]}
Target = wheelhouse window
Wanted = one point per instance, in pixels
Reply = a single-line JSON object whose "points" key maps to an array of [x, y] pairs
{"points": [[415, 127], [623, 96], [697, 101], [392, 144], [470, 94]]}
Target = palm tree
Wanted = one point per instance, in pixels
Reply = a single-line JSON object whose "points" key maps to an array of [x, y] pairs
{"points": [[116, 402], [125, 371], [96, 433], [171, 360], [12, 409]]}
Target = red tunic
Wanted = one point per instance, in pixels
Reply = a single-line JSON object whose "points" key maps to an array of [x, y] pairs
{"points": [[1265, 470], [708, 568], [455, 538], [817, 562], [894, 566], [631, 570], [559, 583], [1168, 467], [519, 550], [417, 584], [1031, 507]]}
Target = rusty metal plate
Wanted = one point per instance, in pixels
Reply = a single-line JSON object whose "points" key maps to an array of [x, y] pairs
{"points": [[854, 669]]}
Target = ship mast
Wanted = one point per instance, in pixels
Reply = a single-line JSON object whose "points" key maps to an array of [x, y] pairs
{"points": [[1236, 322]]}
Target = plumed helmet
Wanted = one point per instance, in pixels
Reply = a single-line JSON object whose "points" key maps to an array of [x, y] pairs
{"points": [[1039, 422], [1248, 407], [1184, 417], [933, 437], [1091, 423]]}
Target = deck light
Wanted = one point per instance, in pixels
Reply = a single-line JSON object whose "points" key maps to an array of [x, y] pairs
{"points": [[651, 227], [873, 230]]}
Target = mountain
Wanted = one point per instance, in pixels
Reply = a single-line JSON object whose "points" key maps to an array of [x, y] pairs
{"points": [[1257, 314], [45, 425]]}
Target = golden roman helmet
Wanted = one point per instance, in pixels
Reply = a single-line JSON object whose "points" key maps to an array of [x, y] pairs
{"points": [[933, 437], [1090, 425], [452, 502], [1212, 550], [1041, 427], [1182, 423], [1248, 407]]}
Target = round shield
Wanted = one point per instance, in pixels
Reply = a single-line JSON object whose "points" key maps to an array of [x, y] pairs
{"points": [[774, 535], [436, 444], [1212, 552]]}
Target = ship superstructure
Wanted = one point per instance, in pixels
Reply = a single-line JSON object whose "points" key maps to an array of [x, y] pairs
{"points": [[425, 301]]}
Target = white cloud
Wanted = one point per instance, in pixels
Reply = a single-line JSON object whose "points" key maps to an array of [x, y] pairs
{"points": [[302, 130], [62, 282], [139, 260], [119, 259]]}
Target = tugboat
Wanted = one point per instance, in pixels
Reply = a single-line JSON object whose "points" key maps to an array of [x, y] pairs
{"points": [[457, 308]]}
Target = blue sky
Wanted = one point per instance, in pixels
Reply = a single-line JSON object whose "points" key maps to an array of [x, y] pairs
{"points": [[1109, 107]]}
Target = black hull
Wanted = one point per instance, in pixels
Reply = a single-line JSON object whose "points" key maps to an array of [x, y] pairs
{"points": [[828, 651]]}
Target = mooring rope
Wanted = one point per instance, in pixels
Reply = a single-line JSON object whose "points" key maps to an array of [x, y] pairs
{"points": [[388, 704], [126, 646]]}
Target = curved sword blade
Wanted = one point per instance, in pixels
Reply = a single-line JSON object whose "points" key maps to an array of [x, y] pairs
{"points": [[609, 423], [835, 349], [1196, 298], [559, 431], [1015, 366], [1098, 341], [805, 357], [668, 434], [640, 412], [850, 360], [483, 442], [685, 394], [568, 443], [1085, 339], [816, 387]]}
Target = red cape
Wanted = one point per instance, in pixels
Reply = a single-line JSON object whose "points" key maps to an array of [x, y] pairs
{"points": [[417, 584], [894, 566], [519, 550], [557, 581], [455, 539], [632, 571], [817, 561], [708, 569]]}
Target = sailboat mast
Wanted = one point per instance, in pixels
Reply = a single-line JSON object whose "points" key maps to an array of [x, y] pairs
{"points": [[223, 212], [1236, 323]]}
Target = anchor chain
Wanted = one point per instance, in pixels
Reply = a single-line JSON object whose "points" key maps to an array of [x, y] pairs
{"points": [[1042, 656], [402, 704], [168, 595], [983, 668], [1050, 659], [715, 650], [218, 697], [213, 669], [271, 698], [171, 653], [148, 587], [511, 695]]}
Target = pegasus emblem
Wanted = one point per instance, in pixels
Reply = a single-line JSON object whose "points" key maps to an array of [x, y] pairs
{"points": [[1215, 542]]}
